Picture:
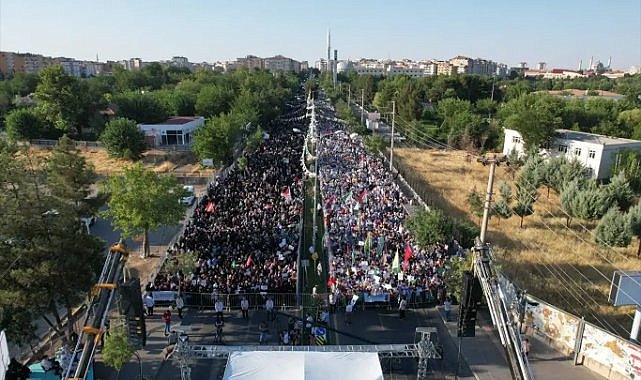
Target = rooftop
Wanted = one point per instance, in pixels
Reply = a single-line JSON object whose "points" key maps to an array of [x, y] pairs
{"points": [[178, 120], [593, 138], [582, 93]]}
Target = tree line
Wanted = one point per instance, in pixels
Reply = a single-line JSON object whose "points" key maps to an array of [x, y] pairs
{"points": [[108, 107], [469, 111], [613, 208]]}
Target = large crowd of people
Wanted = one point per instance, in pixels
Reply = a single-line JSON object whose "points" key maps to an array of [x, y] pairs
{"points": [[245, 230], [371, 251]]}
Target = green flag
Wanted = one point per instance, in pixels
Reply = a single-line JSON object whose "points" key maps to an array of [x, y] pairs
{"points": [[346, 197], [379, 246], [368, 243], [396, 267]]}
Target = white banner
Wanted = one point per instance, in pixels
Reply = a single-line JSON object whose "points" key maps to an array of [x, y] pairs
{"points": [[162, 296]]}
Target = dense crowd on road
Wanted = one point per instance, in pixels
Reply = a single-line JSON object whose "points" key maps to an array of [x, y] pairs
{"points": [[245, 230], [364, 211]]}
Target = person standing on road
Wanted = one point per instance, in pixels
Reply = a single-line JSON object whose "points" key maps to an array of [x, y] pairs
{"points": [[447, 307], [166, 318], [332, 303], [149, 304], [219, 307], [348, 313], [269, 306], [525, 347], [402, 307], [180, 304], [244, 307]]}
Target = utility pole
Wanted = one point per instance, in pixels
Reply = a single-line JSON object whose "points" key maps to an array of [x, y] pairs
{"points": [[488, 195], [349, 95], [391, 150], [362, 104]]}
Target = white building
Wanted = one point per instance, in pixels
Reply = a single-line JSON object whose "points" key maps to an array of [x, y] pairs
{"points": [[597, 152], [177, 130]]}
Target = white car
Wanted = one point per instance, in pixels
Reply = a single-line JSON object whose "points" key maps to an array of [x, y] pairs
{"points": [[87, 222], [190, 198]]}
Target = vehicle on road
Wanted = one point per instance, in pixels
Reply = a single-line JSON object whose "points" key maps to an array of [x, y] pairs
{"points": [[190, 198]]}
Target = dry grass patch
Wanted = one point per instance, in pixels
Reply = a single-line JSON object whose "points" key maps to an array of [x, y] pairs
{"points": [[558, 264]]}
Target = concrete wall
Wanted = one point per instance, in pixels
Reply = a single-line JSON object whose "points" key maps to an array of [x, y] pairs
{"points": [[604, 353]]}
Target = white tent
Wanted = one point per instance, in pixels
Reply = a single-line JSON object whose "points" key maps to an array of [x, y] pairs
{"points": [[285, 365]]}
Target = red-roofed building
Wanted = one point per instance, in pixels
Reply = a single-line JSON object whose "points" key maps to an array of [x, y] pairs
{"points": [[177, 130]]}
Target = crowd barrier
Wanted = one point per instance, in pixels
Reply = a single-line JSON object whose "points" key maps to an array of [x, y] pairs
{"points": [[285, 301]]}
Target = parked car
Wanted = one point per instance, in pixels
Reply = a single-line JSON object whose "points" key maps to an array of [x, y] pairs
{"points": [[190, 198], [86, 222]]}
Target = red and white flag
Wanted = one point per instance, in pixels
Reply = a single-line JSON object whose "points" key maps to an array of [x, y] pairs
{"points": [[210, 207], [287, 193], [362, 195], [249, 261]]}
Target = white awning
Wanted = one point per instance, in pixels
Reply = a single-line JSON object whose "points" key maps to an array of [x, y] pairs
{"points": [[278, 365]]}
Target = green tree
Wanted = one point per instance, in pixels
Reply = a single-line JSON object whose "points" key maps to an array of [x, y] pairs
{"points": [[143, 107], [613, 229], [374, 144], [58, 98], [476, 203], [430, 227], [141, 200], [217, 138], [122, 138], [25, 123], [535, 116], [526, 194], [502, 206], [568, 199], [634, 214], [70, 177], [213, 100], [629, 162], [48, 261], [630, 120], [117, 350], [619, 191]]}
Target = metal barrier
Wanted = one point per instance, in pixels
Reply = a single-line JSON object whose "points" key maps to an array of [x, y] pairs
{"points": [[286, 301]]}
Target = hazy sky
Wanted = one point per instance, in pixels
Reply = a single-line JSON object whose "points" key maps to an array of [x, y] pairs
{"points": [[559, 32]]}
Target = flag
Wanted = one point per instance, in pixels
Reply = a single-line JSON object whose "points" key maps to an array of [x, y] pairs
{"points": [[233, 264], [379, 245], [210, 207], [362, 195], [331, 281], [346, 197], [249, 261], [395, 264], [368, 243], [287, 193], [408, 252]]}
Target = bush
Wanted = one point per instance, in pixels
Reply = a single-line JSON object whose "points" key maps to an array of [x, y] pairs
{"points": [[614, 229], [122, 138]]}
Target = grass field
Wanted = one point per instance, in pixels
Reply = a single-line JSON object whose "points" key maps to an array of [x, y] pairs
{"points": [[560, 265]]}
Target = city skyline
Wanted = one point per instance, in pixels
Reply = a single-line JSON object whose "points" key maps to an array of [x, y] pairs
{"points": [[559, 34]]}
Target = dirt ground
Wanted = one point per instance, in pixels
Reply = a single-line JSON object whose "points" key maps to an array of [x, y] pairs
{"points": [[178, 163], [558, 264]]}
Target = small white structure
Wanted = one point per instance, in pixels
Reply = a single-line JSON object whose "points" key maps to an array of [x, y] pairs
{"points": [[287, 365], [177, 130], [597, 152]]}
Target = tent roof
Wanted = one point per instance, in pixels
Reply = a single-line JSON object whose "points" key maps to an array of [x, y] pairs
{"points": [[267, 365]]}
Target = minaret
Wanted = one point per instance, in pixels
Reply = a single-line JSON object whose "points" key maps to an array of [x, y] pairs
{"points": [[329, 50]]}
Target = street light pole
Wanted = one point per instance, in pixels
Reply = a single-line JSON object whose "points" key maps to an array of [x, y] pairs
{"points": [[391, 150], [362, 104]]}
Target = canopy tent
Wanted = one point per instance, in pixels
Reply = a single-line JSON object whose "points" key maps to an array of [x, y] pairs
{"points": [[285, 365]]}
